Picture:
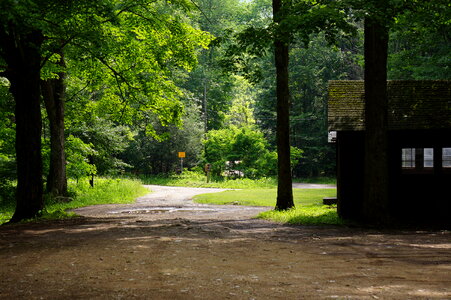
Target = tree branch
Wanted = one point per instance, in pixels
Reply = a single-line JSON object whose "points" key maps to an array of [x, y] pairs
{"points": [[57, 50], [201, 11]]}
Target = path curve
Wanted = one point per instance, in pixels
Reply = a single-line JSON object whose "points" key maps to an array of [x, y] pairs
{"points": [[177, 201]]}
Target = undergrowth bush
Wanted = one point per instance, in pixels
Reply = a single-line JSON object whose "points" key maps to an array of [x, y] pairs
{"points": [[105, 191], [197, 179], [7, 200]]}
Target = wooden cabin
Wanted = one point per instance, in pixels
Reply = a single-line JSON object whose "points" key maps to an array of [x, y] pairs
{"points": [[419, 146]]}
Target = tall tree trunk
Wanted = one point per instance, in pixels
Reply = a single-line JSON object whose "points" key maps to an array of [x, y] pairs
{"points": [[53, 92], [23, 58], [376, 183], [285, 187]]}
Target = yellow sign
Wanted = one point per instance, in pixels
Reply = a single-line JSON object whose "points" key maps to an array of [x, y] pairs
{"points": [[182, 154]]}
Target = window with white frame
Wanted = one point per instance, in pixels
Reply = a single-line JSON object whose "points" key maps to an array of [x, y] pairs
{"points": [[408, 158], [417, 158], [428, 157], [446, 157]]}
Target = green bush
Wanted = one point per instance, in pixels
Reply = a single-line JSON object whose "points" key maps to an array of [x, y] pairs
{"points": [[240, 151], [77, 153]]}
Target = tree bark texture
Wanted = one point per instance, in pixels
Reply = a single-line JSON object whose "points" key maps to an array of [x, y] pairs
{"points": [[53, 92], [376, 183], [285, 187], [21, 52]]}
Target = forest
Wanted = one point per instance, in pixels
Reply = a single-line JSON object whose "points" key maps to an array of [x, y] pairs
{"points": [[120, 87]]}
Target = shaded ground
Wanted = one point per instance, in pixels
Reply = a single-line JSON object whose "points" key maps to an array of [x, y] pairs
{"points": [[166, 247]]}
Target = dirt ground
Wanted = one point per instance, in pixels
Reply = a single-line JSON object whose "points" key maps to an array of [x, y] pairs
{"points": [[166, 247]]}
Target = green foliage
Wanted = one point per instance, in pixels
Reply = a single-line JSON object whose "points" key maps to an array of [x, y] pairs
{"points": [[104, 141], [7, 153], [296, 155], [77, 153], [239, 150], [127, 75], [7, 199], [7, 168], [148, 155], [7, 120], [241, 112], [209, 86], [420, 43]]}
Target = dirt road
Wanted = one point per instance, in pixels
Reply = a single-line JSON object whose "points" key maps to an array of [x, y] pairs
{"points": [[167, 247]]}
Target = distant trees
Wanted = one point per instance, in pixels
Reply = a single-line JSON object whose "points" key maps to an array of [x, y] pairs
{"points": [[420, 43], [159, 155]]}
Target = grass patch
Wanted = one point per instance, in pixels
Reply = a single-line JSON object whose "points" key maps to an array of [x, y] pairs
{"points": [[305, 215], [7, 200], [105, 191], [195, 179], [308, 204], [265, 197], [6, 213]]}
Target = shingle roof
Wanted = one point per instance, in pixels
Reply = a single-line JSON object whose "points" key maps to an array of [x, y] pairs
{"points": [[412, 104]]}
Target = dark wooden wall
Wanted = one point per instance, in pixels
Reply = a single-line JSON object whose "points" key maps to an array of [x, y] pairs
{"points": [[415, 197]]}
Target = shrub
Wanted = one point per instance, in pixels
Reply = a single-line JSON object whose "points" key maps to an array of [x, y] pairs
{"points": [[243, 151]]}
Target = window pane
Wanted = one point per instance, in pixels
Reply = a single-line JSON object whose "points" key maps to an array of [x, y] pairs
{"points": [[446, 157], [428, 157], [408, 157]]}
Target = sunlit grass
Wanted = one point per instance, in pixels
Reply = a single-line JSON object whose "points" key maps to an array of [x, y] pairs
{"points": [[7, 200], [6, 214], [105, 191], [305, 215]]}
